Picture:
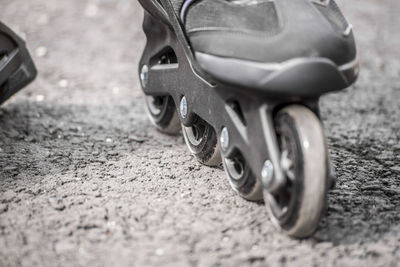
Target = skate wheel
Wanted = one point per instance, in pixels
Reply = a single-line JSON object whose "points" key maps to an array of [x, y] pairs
{"points": [[242, 179], [297, 208], [202, 142], [162, 113]]}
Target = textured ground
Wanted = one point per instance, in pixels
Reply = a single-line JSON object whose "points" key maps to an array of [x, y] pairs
{"points": [[85, 180]]}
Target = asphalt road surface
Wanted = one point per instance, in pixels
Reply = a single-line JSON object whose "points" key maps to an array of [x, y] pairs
{"points": [[86, 180]]}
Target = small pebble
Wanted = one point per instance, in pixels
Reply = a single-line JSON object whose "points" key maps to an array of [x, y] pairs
{"points": [[39, 98], [63, 83], [41, 51], [115, 90], [159, 252]]}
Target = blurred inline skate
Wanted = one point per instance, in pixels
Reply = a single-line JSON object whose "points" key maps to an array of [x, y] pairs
{"points": [[16, 66]]}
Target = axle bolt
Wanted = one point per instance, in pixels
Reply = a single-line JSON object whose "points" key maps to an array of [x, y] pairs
{"points": [[144, 75], [183, 107], [267, 174], [224, 138]]}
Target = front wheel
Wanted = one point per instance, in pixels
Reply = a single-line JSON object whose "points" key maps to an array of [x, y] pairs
{"points": [[297, 207]]}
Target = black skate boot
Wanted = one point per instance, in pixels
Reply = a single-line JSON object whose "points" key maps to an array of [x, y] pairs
{"points": [[16, 66], [246, 77]]}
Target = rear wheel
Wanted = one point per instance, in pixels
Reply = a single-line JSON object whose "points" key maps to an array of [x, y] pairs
{"points": [[162, 113], [297, 207]]}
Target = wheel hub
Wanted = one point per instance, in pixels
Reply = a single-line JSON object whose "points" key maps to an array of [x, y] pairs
{"points": [[156, 104], [235, 167], [195, 133]]}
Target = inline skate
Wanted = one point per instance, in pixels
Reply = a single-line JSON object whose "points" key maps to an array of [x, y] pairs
{"points": [[16, 66], [242, 80]]}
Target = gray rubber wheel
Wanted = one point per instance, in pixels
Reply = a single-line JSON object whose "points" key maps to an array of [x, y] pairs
{"points": [[298, 207], [202, 142], [162, 113], [242, 179]]}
